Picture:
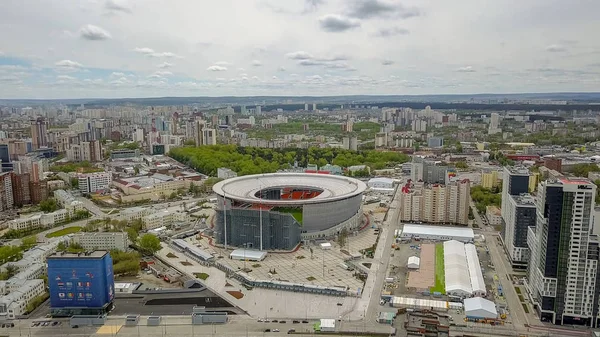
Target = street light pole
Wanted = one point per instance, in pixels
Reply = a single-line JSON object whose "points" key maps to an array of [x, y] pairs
{"points": [[225, 217]]}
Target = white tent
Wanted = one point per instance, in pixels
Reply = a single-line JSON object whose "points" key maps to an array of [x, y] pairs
{"points": [[413, 262], [478, 307], [456, 271], [326, 246], [475, 274]]}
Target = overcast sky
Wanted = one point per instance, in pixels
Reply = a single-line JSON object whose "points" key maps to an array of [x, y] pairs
{"points": [[143, 48]]}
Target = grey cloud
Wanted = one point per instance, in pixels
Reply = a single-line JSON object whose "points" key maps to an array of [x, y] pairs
{"points": [[299, 55], [467, 69], [388, 32], [65, 78], [312, 5], [165, 65], [68, 65], [9, 78], [387, 62], [117, 6], [282, 68], [256, 63], [94, 33], [367, 9], [335, 23], [556, 48], [151, 52], [310, 62], [144, 50], [216, 68]]}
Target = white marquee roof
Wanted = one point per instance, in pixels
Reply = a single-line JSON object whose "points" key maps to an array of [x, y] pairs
{"points": [[455, 268], [480, 307]]}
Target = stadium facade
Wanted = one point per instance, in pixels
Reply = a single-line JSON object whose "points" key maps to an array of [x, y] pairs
{"points": [[278, 211]]}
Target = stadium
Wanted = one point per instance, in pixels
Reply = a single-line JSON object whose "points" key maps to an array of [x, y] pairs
{"points": [[280, 210]]}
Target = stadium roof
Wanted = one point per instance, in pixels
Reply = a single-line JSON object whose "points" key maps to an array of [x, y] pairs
{"points": [[455, 232], [245, 188]]}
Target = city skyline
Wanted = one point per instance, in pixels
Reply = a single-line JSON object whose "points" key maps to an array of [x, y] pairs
{"points": [[112, 49]]}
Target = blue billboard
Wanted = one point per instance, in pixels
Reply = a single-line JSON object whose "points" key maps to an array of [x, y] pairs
{"points": [[84, 281]]}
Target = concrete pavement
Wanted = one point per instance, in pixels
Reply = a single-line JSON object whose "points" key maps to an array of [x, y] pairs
{"points": [[517, 314]]}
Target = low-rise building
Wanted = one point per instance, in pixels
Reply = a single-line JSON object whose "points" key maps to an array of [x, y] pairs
{"points": [[39, 220], [493, 215], [225, 173], [165, 218], [134, 213], [56, 184], [22, 288], [93, 182], [102, 240], [66, 200]]}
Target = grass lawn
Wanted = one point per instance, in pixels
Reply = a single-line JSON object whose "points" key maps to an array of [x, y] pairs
{"points": [[440, 278], [202, 276], [295, 212], [64, 231]]}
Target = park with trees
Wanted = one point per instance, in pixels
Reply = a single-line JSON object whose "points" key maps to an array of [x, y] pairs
{"points": [[253, 160]]}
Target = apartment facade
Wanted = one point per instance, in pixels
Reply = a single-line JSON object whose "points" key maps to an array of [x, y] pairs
{"points": [[102, 241], [92, 182], [444, 204], [562, 273], [6, 191], [515, 183]]}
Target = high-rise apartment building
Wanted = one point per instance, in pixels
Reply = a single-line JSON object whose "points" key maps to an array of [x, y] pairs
{"points": [[6, 191], [428, 171], [562, 279], [39, 130], [436, 203], [518, 214], [21, 193]]}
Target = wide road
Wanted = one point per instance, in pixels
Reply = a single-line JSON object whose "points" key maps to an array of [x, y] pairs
{"points": [[180, 326], [381, 259], [517, 314]]}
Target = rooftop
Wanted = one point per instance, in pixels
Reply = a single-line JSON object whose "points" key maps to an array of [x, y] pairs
{"points": [[524, 199], [438, 230], [94, 255]]}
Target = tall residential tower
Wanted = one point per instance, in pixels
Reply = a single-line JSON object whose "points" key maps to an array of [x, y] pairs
{"points": [[518, 214], [562, 277]]}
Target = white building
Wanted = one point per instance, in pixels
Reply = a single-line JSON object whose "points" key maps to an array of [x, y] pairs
{"points": [[67, 201], [134, 213], [225, 173], [480, 308], [413, 262], [165, 218], [381, 184], [493, 215], [92, 182], [437, 233], [20, 289], [462, 271], [39, 220], [102, 240]]}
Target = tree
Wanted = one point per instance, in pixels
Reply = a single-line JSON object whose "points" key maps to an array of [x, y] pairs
{"points": [[62, 247], [28, 242], [149, 244], [132, 234], [48, 205], [461, 165]]}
